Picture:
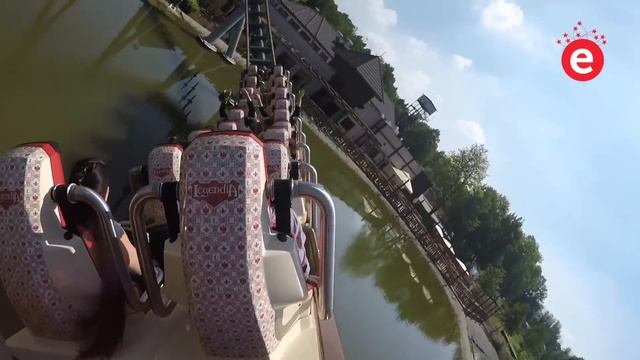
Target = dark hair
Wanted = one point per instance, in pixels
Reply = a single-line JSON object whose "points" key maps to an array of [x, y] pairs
{"points": [[106, 326]]}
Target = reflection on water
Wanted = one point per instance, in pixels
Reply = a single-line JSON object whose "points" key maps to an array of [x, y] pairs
{"points": [[389, 303]]}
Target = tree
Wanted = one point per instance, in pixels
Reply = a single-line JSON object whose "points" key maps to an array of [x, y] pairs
{"points": [[460, 170], [514, 316], [422, 142], [524, 281], [491, 280]]}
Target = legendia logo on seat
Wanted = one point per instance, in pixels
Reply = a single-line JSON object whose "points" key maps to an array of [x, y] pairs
{"points": [[214, 193], [582, 58], [9, 198]]}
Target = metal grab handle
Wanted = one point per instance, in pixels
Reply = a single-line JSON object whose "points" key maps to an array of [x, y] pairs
{"points": [[306, 152], [298, 127], [327, 236], [143, 249], [303, 137], [312, 177], [77, 193]]}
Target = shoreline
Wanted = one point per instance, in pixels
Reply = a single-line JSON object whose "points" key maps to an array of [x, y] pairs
{"points": [[465, 343]]}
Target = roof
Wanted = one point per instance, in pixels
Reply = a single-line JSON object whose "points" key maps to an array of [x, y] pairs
{"points": [[315, 23], [387, 108], [368, 66]]}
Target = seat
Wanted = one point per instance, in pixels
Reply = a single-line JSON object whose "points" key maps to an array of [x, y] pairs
{"points": [[235, 118], [277, 134], [222, 185], [281, 120], [252, 70], [251, 82], [34, 255], [277, 159], [239, 277], [163, 165]]}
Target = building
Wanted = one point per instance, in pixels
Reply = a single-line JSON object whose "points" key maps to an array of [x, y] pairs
{"points": [[348, 86]]}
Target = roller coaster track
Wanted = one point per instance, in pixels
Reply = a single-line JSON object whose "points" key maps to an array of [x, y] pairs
{"points": [[258, 34]]}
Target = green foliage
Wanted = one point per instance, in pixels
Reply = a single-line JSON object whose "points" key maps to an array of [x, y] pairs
{"points": [[422, 142], [491, 279], [192, 6], [514, 316]]}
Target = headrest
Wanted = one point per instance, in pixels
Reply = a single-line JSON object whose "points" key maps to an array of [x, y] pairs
{"points": [[277, 134], [279, 82], [281, 115], [227, 126], [282, 94], [251, 81], [163, 165], [222, 194], [235, 115], [282, 104], [27, 173], [252, 70], [278, 71]]}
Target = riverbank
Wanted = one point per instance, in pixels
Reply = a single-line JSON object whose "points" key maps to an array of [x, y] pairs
{"points": [[467, 336], [191, 26]]}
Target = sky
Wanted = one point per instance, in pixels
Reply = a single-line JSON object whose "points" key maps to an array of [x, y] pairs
{"points": [[565, 153]]}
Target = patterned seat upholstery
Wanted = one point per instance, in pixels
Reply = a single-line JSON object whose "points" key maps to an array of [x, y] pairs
{"points": [[281, 120], [251, 82], [27, 173], [163, 165], [282, 105], [222, 201], [277, 134], [277, 159]]}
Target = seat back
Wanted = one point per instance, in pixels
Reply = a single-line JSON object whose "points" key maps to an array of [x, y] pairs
{"points": [[163, 165], [27, 173], [281, 120], [234, 118], [252, 70], [277, 159], [222, 201], [277, 134]]}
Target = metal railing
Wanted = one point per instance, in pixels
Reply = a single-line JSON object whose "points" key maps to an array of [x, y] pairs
{"points": [[136, 214], [80, 194], [327, 238]]}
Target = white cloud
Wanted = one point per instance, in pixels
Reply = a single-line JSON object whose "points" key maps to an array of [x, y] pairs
{"points": [[461, 62], [502, 15], [506, 19], [472, 130]]}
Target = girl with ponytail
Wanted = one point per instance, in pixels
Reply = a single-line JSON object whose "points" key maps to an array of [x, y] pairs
{"points": [[106, 326]]}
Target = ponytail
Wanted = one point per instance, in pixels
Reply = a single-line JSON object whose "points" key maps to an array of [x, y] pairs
{"points": [[106, 326]]}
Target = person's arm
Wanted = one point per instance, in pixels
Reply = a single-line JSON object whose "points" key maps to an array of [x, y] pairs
{"points": [[128, 250]]}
